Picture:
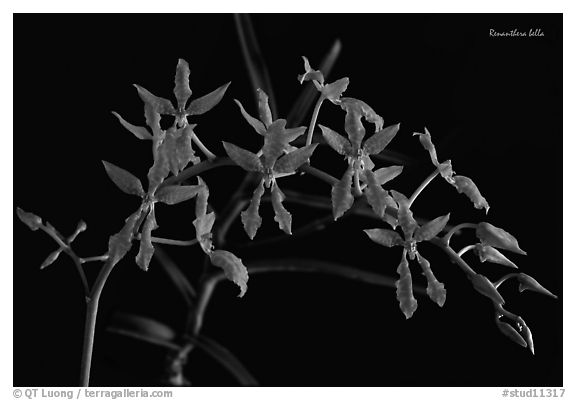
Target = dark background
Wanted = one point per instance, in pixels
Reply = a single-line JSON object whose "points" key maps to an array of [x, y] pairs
{"points": [[493, 106]]}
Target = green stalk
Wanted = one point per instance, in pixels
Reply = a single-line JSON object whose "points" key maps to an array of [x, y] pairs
{"points": [[313, 121]]}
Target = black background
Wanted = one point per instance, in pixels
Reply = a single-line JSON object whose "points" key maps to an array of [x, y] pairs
{"points": [[493, 106]]}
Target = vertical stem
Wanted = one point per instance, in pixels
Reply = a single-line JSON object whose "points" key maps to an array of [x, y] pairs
{"points": [[313, 121], [90, 322]]}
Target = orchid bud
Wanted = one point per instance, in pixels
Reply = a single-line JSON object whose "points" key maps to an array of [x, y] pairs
{"points": [[497, 237]]}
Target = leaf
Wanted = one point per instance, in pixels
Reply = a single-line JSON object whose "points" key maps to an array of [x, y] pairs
{"points": [[202, 199], [254, 123], [250, 217], [182, 90], [426, 141], [408, 303], [120, 243], [244, 158], [511, 333], [203, 225], [384, 175], [432, 228], [342, 198], [264, 108], [435, 289], [173, 194], [378, 141], [51, 258], [207, 102], [226, 358], [384, 237], [177, 277], [375, 194], [158, 104], [283, 217], [146, 248], [139, 131], [125, 181], [405, 218], [529, 283], [292, 161], [334, 90], [465, 185], [310, 74], [497, 237], [338, 142], [485, 287], [233, 268], [32, 221], [490, 254]]}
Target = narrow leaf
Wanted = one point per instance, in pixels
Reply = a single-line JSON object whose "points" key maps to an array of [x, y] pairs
{"points": [[465, 185], [176, 194], [144, 326], [404, 294], [244, 158], [426, 141], [177, 277], [254, 123], [33, 221], [283, 217], [203, 225], [182, 90], [342, 198], [490, 254], [435, 289], [264, 108], [226, 358], [338, 142], [334, 90], [511, 333], [378, 141], [384, 237], [207, 102], [158, 104], [250, 217], [292, 161], [529, 283], [253, 57], [384, 175], [432, 228], [484, 286], [139, 131], [146, 248], [375, 194], [233, 268], [310, 74], [125, 181], [497, 237]]}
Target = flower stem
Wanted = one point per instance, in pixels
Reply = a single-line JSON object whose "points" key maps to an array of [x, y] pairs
{"points": [[466, 249], [422, 187], [202, 148], [453, 256], [95, 258], [455, 229], [313, 120], [172, 242]]}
